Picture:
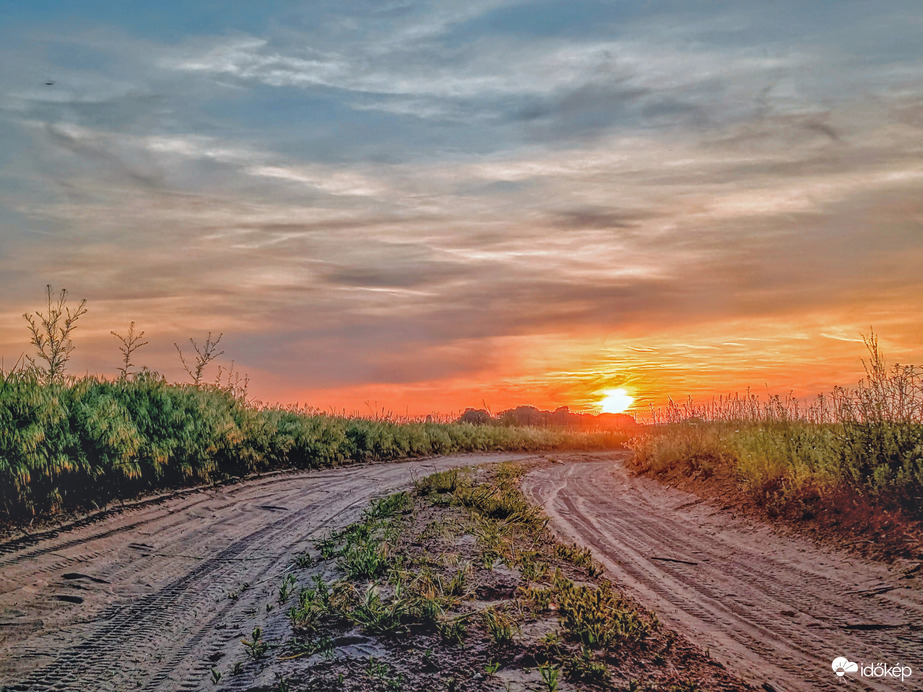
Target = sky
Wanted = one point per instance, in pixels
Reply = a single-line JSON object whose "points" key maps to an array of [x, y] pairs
{"points": [[417, 207]]}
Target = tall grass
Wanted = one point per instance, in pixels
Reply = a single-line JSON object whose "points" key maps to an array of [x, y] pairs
{"points": [[866, 440], [85, 441]]}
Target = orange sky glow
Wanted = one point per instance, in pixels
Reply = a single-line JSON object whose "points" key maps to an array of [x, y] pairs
{"points": [[453, 205]]}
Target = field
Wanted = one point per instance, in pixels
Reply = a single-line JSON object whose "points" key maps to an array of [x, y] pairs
{"points": [[82, 442], [850, 459]]}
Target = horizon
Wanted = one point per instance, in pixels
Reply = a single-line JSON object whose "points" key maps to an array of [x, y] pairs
{"points": [[421, 208]]}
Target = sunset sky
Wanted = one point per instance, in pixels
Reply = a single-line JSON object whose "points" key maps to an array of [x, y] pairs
{"points": [[425, 206]]}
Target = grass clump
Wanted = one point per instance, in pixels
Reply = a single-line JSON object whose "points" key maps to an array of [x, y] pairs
{"points": [[579, 556], [583, 667], [380, 616], [365, 560], [437, 483], [855, 451], [596, 616], [500, 626]]}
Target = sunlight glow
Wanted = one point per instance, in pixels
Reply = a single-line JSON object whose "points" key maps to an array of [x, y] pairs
{"points": [[616, 401]]}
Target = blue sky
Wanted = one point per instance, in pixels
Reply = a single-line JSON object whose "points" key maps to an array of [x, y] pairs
{"points": [[410, 201]]}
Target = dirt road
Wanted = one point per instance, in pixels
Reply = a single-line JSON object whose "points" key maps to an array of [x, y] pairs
{"points": [[153, 597], [772, 608]]}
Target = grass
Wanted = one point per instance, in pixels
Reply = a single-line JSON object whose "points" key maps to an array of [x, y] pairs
{"points": [[856, 450], [79, 443], [500, 626], [596, 616]]}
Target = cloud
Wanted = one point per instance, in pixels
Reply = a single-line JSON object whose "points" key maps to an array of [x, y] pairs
{"points": [[399, 197]]}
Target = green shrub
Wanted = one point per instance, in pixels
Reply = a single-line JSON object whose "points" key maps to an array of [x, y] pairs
{"points": [[76, 442]]}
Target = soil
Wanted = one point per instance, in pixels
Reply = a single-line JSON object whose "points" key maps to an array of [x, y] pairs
{"points": [[774, 607], [436, 539], [834, 517], [154, 597]]}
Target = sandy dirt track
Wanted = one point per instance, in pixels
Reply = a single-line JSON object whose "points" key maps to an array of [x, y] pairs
{"points": [[774, 609], [140, 600]]}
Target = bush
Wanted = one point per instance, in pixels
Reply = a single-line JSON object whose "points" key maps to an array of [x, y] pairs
{"points": [[83, 441]]}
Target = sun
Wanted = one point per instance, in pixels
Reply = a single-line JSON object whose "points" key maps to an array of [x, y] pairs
{"points": [[616, 401]]}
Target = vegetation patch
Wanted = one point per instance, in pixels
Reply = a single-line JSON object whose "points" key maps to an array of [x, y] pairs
{"points": [[78, 443], [71, 443], [459, 585], [848, 463]]}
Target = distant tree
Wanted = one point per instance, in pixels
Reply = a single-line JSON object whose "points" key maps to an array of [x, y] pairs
{"points": [[475, 416], [563, 418], [129, 343], [524, 416], [204, 355], [51, 334]]}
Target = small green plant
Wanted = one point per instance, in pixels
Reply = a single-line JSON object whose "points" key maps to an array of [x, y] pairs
{"points": [[365, 560], [581, 557], [324, 646], [551, 640], [314, 604], [549, 675], [376, 670], [327, 547], [216, 676], [596, 616], [582, 667], [234, 595], [256, 647], [437, 483], [492, 668], [452, 630], [387, 507], [540, 596], [286, 588], [457, 585], [376, 616], [532, 566]]}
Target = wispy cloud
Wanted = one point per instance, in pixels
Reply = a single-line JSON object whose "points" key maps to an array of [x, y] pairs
{"points": [[425, 193]]}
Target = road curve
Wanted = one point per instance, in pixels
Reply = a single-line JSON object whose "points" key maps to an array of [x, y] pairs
{"points": [[152, 597], [772, 608]]}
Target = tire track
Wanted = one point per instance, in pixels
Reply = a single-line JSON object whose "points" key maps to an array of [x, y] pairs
{"points": [[155, 592], [774, 609]]}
